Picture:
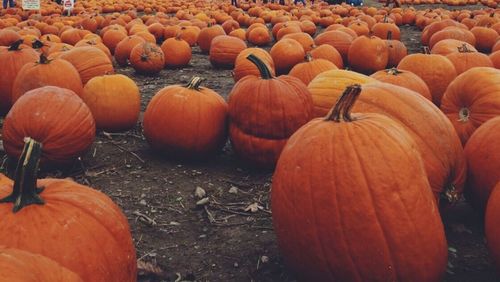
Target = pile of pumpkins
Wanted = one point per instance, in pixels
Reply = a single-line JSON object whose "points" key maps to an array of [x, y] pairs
{"points": [[363, 157]]}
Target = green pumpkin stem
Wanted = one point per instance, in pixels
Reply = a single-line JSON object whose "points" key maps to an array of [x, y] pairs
{"points": [[265, 73], [342, 109], [15, 46], [194, 83], [25, 192]]}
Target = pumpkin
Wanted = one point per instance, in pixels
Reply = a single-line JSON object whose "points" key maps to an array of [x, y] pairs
{"points": [[383, 29], [492, 228], [114, 101], [259, 36], [264, 111], [124, 47], [485, 38], [224, 50], [147, 58], [207, 35], [353, 186], [89, 62], [71, 36], [56, 72], [368, 54], [8, 37], [483, 163], [450, 46], [338, 39], [327, 86], [327, 52], [12, 59], [66, 131], [244, 67], [495, 59], [49, 221], [466, 59], [186, 121], [309, 69], [437, 77], [95, 43], [303, 38], [396, 49], [404, 79], [177, 52], [286, 53], [453, 33], [112, 37], [18, 265], [472, 99]]}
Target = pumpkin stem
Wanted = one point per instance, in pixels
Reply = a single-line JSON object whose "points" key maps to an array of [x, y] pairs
{"points": [[463, 115], [37, 44], [15, 46], [342, 109], [25, 192], [389, 35], [427, 51], [393, 71], [43, 59], [464, 49], [194, 83], [265, 73], [308, 57], [450, 194]]}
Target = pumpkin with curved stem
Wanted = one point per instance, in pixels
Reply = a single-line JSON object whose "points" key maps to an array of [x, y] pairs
{"points": [[472, 99], [436, 70], [327, 86], [333, 201], [60, 214], [368, 54], [466, 59], [311, 68], [244, 67], [12, 59], [224, 50], [286, 53], [483, 163], [264, 111], [492, 228], [18, 265], [89, 62], [45, 72], [114, 101], [147, 58], [67, 129], [186, 121], [177, 52], [404, 79]]}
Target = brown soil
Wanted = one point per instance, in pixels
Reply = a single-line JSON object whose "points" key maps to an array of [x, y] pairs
{"points": [[222, 240]]}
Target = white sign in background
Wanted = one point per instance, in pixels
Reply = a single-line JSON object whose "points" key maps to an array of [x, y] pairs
{"points": [[31, 4]]}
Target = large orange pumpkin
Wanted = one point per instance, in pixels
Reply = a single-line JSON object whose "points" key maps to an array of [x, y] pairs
{"points": [[264, 111], [18, 265], [186, 121], [114, 101], [12, 59], [472, 99], [483, 162], [492, 228], [404, 79], [66, 130], [436, 70], [327, 86], [466, 59], [74, 225], [353, 186], [57, 72]]}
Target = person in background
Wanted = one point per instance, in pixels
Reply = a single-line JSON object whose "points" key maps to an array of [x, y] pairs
{"points": [[10, 2], [302, 1], [233, 2]]}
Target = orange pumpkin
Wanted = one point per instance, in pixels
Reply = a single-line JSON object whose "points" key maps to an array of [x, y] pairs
{"points": [[449, 46], [124, 47], [327, 52], [207, 35], [57, 72], [264, 112], [259, 36], [177, 52], [472, 99], [483, 163], [309, 69], [404, 79], [396, 49], [89, 62], [466, 59], [492, 228], [331, 223], [105, 251], [65, 133], [224, 50], [368, 54], [338, 39], [147, 58], [244, 67], [186, 121], [286, 53], [485, 38]]}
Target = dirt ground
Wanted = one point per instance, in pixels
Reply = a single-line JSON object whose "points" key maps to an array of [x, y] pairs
{"points": [[229, 235]]}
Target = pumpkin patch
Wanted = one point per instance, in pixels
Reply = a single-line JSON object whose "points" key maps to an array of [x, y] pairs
{"points": [[249, 140]]}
